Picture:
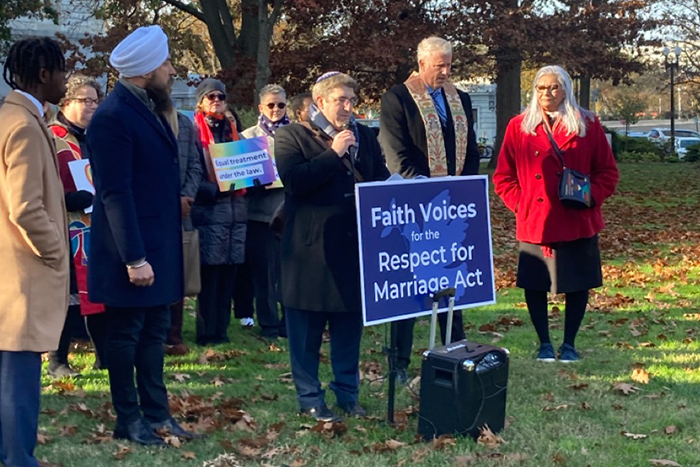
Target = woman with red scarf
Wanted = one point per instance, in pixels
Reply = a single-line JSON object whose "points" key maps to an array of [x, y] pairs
{"points": [[220, 218]]}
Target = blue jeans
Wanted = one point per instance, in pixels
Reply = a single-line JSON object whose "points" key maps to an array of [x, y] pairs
{"points": [[20, 396], [305, 333]]}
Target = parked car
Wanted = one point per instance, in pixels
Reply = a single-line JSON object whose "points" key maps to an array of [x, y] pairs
{"points": [[683, 143], [372, 123], [632, 134], [661, 135]]}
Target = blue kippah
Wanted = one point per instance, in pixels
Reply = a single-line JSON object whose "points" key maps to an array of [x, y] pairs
{"points": [[326, 76]]}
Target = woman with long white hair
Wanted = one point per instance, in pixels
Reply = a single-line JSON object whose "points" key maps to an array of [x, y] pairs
{"points": [[555, 170]]}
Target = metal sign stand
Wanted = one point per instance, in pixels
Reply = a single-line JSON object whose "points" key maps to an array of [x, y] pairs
{"points": [[437, 296], [392, 351]]}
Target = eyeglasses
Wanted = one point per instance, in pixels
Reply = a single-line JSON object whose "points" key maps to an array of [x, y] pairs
{"points": [[344, 101], [87, 100], [216, 96], [554, 88], [279, 105]]}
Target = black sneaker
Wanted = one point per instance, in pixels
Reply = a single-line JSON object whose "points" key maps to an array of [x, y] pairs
{"points": [[353, 410], [138, 432], [321, 414], [62, 370], [171, 426]]}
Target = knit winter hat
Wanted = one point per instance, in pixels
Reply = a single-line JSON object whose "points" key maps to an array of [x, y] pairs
{"points": [[207, 86]]}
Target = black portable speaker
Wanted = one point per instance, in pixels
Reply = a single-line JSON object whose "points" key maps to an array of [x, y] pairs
{"points": [[463, 388]]}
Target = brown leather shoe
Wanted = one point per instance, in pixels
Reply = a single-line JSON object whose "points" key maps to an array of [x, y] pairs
{"points": [[179, 349]]}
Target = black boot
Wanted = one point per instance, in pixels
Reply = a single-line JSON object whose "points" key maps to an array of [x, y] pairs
{"points": [[138, 432]]}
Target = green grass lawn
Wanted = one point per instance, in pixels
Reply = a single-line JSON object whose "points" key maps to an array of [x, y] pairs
{"points": [[642, 329]]}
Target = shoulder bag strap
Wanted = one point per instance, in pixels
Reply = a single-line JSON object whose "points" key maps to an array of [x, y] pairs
{"points": [[554, 144]]}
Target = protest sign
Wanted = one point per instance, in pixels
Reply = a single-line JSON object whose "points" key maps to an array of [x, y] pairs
{"points": [[81, 172], [420, 236], [240, 163]]}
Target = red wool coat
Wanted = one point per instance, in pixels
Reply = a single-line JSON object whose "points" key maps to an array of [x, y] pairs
{"points": [[527, 179]]}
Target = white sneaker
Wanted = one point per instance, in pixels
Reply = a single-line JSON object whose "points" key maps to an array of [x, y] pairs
{"points": [[247, 322]]}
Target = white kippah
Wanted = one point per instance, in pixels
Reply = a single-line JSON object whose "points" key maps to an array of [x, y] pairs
{"points": [[141, 52]]}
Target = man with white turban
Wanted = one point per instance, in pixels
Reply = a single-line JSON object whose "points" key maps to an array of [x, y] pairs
{"points": [[136, 245]]}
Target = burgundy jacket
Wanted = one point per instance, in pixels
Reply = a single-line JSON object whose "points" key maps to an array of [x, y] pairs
{"points": [[527, 179]]}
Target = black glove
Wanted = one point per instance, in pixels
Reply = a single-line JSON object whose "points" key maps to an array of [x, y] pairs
{"points": [[78, 200]]}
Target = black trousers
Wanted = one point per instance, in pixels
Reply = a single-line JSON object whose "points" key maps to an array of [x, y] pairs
{"points": [[20, 394], [98, 328], [404, 341], [135, 341], [214, 303], [256, 279], [177, 311], [60, 355]]}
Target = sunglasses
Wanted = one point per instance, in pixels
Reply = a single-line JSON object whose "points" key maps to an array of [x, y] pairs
{"points": [[279, 105], [216, 96]]}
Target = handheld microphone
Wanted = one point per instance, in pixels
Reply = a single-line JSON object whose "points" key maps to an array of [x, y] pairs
{"points": [[352, 150]]}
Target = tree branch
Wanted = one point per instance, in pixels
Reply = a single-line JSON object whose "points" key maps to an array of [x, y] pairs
{"points": [[276, 9], [187, 8]]}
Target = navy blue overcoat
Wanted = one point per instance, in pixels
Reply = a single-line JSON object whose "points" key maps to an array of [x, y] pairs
{"points": [[137, 211]]}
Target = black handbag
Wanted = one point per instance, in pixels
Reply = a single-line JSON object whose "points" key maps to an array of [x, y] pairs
{"points": [[574, 186]]}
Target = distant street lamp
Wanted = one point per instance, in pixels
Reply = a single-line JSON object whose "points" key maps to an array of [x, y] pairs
{"points": [[672, 65]]}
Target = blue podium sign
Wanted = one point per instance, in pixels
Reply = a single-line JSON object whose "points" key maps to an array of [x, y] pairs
{"points": [[420, 236]]}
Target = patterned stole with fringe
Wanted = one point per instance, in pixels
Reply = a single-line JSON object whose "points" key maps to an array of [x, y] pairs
{"points": [[437, 155]]}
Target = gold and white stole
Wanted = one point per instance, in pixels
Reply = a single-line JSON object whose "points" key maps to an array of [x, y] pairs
{"points": [[437, 155]]}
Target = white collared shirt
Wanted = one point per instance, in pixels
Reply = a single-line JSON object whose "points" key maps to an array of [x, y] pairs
{"points": [[34, 100]]}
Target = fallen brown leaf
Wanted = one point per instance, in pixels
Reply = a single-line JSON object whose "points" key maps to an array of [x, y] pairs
{"points": [[181, 377], [625, 388], [579, 386], [669, 430], [640, 375], [122, 451], [464, 461], [443, 441], [188, 455], [634, 435], [488, 438], [68, 430], [556, 408], [173, 441], [662, 462]]}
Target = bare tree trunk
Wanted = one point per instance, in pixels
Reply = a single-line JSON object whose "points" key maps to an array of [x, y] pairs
{"points": [[508, 63], [248, 39], [266, 26], [221, 32], [584, 98]]}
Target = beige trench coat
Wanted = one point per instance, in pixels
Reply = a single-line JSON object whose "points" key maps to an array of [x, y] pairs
{"points": [[34, 251]]}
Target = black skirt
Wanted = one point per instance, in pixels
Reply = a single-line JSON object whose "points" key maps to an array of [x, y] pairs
{"points": [[574, 266]]}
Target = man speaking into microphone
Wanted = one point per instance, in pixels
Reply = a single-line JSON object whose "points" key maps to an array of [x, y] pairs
{"points": [[319, 162]]}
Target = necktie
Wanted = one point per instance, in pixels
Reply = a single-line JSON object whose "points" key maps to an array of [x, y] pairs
{"points": [[439, 106]]}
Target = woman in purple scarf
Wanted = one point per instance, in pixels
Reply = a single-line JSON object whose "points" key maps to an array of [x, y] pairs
{"points": [[262, 246]]}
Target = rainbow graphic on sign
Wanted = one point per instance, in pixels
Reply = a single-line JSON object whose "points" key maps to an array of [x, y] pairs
{"points": [[239, 164]]}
